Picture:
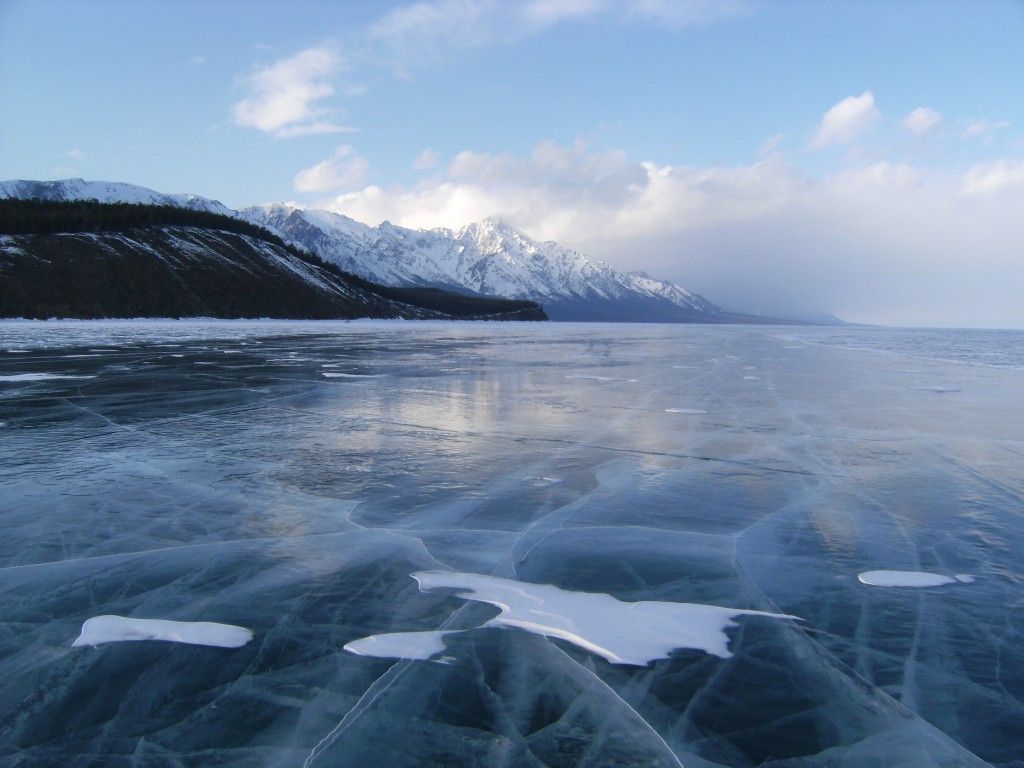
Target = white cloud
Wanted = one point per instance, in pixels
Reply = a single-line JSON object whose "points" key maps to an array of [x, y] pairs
{"points": [[545, 13], [344, 169], [425, 31], [283, 96], [993, 177], [197, 61], [985, 129], [426, 160], [922, 120], [846, 120], [75, 153], [882, 242], [686, 13]]}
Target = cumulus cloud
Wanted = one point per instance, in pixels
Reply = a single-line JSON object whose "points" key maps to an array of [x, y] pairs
{"points": [[993, 177], [846, 121], [985, 129], [879, 242], [342, 170], [922, 120], [283, 97]]}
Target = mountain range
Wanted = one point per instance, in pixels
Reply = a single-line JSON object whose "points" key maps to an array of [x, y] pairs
{"points": [[85, 259], [489, 257], [486, 258]]}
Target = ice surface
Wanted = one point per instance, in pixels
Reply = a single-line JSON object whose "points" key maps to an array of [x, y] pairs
{"points": [[684, 410], [250, 491], [113, 629]]}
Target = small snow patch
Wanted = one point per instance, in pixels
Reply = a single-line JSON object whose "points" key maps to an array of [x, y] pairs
{"points": [[684, 410], [399, 645], [904, 579], [112, 629], [40, 377]]}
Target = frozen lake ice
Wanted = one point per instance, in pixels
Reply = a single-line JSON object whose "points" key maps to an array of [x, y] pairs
{"points": [[584, 524]]}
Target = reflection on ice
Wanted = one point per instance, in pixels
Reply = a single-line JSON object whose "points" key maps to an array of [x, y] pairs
{"points": [[112, 629]]}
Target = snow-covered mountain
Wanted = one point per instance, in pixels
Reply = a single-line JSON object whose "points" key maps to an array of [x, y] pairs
{"points": [[488, 257], [105, 192]]}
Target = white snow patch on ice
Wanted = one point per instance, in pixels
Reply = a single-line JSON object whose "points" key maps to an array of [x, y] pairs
{"points": [[399, 645], [903, 579], [112, 629], [40, 377], [751, 378], [684, 410], [332, 375], [964, 578], [621, 632]]}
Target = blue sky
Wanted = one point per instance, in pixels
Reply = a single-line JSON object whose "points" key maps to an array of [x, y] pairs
{"points": [[680, 137]]}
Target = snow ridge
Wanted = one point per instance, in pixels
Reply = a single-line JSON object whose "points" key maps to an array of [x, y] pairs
{"points": [[487, 257], [105, 192]]}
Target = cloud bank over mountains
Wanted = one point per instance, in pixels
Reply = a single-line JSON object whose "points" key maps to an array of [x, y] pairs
{"points": [[880, 241], [838, 220]]}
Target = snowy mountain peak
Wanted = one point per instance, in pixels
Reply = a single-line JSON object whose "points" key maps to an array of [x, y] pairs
{"points": [[488, 257]]}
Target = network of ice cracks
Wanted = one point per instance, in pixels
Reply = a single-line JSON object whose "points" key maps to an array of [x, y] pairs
{"points": [[639, 718]]}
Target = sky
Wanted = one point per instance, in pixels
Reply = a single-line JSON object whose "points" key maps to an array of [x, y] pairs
{"points": [[859, 158]]}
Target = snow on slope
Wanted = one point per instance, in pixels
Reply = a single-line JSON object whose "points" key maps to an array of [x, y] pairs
{"points": [[105, 192], [487, 257]]}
